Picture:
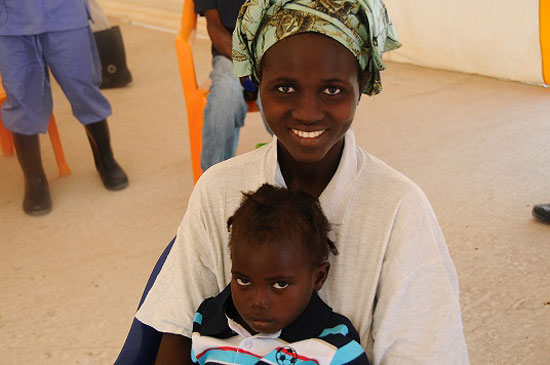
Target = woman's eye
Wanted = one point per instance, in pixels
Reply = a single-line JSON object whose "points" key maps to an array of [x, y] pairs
{"points": [[332, 90], [280, 285], [285, 89], [242, 282]]}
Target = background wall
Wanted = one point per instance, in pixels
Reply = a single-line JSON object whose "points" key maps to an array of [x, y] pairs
{"points": [[498, 38]]}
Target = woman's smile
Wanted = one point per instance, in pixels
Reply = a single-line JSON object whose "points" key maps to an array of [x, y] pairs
{"points": [[308, 134], [310, 89]]}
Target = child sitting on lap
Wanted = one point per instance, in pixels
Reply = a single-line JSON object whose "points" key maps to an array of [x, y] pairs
{"points": [[271, 313]]}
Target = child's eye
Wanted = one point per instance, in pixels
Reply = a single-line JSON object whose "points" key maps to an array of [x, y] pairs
{"points": [[332, 90], [242, 281], [280, 285], [285, 89]]}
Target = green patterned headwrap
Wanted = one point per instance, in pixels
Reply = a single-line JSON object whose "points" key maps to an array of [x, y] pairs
{"points": [[362, 26]]}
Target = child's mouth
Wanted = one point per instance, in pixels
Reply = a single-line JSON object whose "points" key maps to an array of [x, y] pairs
{"points": [[260, 324]]}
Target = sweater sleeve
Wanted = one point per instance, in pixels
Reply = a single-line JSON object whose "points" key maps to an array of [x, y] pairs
{"points": [[417, 317], [189, 274]]}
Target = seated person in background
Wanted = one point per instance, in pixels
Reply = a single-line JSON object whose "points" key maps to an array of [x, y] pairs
{"points": [[271, 313], [226, 106], [393, 276]]}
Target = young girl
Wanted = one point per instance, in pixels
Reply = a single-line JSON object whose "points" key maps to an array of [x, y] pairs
{"points": [[393, 277], [270, 312]]}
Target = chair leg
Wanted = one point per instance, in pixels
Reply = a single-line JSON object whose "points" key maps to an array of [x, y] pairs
{"points": [[64, 169], [195, 117], [6, 140]]}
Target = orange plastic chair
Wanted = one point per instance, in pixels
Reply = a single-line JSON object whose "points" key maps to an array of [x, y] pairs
{"points": [[195, 96], [6, 140]]}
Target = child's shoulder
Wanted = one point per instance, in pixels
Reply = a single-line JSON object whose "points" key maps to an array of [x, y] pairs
{"points": [[340, 325], [211, 309], [342, 335]]}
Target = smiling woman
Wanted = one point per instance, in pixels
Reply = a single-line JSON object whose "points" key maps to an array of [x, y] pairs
{"points": [[393, 276], [310, 89]]}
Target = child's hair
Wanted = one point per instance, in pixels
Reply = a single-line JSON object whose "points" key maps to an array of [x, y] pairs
{"points": [[273, 215]]}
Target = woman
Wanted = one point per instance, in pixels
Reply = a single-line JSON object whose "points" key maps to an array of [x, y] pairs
{"points": [[393, 277]]}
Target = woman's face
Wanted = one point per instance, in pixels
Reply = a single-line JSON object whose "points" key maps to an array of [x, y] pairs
{"points": [[309, 88]]}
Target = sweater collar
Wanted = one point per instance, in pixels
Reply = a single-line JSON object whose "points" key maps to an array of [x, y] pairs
{"points": [[336, 197]]}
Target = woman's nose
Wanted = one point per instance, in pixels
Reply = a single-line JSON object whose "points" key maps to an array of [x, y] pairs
{"points": [[308, 109]]}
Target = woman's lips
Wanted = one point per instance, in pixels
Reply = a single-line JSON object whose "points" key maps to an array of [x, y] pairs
{"points": [[308, 134]]}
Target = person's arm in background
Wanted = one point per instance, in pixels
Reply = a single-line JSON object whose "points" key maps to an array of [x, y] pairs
{"points": [[219, 35], [174, 349]]}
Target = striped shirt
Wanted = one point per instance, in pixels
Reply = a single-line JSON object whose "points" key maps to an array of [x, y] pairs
{"points": [[317, 336]]}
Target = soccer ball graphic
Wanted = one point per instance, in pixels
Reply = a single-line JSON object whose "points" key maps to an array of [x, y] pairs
{"points": [[286, 356]]}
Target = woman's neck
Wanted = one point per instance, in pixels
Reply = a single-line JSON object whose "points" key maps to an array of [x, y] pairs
{"points": [[311, 177]]}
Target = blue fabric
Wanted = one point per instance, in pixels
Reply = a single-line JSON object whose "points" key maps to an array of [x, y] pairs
{"points": [[337, 330], [142, 343], [28, 17], [224, 114], [349, 353], [73, 60]]}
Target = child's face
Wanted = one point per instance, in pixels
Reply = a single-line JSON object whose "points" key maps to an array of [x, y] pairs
{"points": [[271, 285], [309, 89]]}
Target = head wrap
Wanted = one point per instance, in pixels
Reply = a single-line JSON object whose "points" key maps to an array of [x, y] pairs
{"points": [[362, 26]]}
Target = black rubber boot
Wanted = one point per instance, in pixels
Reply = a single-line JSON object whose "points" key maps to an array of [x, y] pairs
{"points": [[37, 200], [114, 71], [542, 212], [112, 175]]}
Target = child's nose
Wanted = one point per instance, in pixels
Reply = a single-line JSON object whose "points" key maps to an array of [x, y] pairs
{"points": [[260, 300]]}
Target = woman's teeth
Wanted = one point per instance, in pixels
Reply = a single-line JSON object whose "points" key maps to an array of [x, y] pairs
{"points": [[304, 134]]}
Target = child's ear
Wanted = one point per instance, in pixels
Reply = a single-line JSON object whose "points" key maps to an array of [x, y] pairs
{"points": [[321, 275]]}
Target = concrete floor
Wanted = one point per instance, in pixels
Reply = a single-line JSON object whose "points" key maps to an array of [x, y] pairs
{"points": [[479, 148]]}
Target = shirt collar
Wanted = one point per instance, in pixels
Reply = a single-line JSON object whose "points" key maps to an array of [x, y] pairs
{"points": [[313, 320], [336, 197]]}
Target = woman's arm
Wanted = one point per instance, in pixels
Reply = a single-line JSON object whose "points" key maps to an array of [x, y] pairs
{"points": [[219, 35], [174, 349], [417, 318]]}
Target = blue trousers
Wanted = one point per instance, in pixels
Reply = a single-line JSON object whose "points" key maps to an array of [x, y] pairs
{"points": [[224, 114], [74, 62]]}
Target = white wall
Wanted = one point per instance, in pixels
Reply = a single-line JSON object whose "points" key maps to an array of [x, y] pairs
{"points": [[498, 38]]}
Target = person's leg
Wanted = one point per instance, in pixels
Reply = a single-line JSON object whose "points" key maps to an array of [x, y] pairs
{"points": [[542, 212], [37, 199], [72, 57], [224, 114], [26, 113]]}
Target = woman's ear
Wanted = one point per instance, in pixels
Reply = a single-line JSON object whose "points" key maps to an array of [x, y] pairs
{"points": [[321, 274]]}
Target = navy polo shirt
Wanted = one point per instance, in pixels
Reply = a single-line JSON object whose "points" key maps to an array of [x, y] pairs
{"points": [[318, 335], [228, 10]]}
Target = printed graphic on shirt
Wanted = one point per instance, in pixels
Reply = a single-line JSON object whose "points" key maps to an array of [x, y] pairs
{"points": [[286, 356]]}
